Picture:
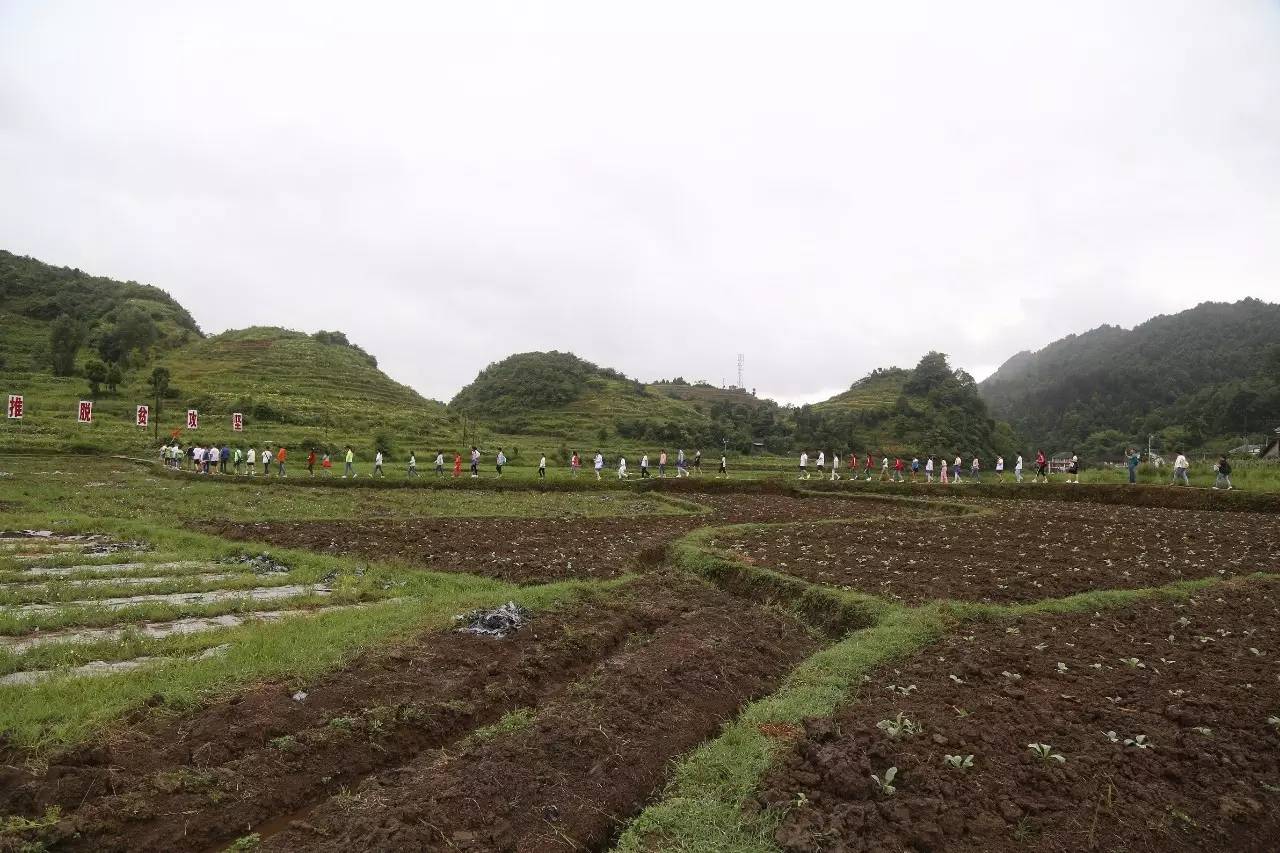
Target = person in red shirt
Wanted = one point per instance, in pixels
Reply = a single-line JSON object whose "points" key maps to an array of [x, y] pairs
{"points": [[311, 462], [897, 470], [870, 464], [457, 464], [1042, 467]]}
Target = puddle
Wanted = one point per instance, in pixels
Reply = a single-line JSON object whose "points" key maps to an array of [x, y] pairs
{"points": [[103, 568], [131, 581], [262, 593], [89, 670], [159, 630]]}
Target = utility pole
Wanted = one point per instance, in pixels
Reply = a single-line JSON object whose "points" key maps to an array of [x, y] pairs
{"points": [[1149, 438], [740, 361]]}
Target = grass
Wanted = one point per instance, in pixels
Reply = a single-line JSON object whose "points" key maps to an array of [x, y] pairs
{"points": [[66, 711], [701, 808], [118, 488]]}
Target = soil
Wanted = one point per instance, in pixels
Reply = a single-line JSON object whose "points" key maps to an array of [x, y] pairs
{"points": [[1205, 681], [620, 686], [1024, 551], [591, 755], [532, 550]]}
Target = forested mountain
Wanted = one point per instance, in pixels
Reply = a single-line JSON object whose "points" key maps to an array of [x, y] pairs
{"points": [[1206, 376], [930, 409]]}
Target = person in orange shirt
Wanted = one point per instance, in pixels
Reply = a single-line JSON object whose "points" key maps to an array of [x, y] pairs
{"points": [[457, 464], [280, 454]]}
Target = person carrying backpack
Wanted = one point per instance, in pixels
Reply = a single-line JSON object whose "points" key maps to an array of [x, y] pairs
{"points": [[1223, 470]]}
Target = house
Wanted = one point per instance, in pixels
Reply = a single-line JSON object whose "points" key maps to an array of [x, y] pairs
{"points": [[1273, 450]]}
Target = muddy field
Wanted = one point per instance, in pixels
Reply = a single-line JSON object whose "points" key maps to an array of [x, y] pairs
{"points": [[1021, 551], [530, 550], [1160, 726], [586, 707]]}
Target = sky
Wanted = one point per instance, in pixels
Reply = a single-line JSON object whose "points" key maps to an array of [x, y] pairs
{"points": [[825, 188]]}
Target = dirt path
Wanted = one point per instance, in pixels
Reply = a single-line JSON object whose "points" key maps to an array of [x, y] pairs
{"points": [[1198, 679]]}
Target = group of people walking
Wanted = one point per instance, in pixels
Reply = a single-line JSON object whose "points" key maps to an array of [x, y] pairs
{"points": [[245, 461], [953, 472], [229, 459]]}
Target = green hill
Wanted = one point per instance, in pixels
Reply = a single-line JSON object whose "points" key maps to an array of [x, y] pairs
{"points": [[928, 410], [877, 391], [292, 388], [1206, 376], [560, 396], [115, 320]]}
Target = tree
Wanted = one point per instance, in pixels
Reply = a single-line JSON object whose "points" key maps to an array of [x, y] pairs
{"points": [[96, 372], [114, 376], [931, 372], [65, 337], [159, 382]]}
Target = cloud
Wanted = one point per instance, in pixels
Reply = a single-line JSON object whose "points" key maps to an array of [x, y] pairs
{"points": [[827, 189]]}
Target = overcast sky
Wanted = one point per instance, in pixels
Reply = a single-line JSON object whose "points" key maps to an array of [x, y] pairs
{"points": [[654, 186]]}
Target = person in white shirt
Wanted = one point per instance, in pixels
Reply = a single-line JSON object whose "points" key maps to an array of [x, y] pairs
{"points": [[439, 463], [928, 470], [682, 467], [1000, 468], [599, 463], [542, 467], [884, 469], [251, 458], [835, 466], [955, 469], [822, 464], [413, 464], [377, 463], [500, 461], [804, 465], [1017, 469], [265, 458], [622, 467], [724, 466], [1180, 467], [644, 467]]}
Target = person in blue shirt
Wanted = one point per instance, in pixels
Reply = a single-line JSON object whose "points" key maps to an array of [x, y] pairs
{"points": [[224, 455], [1132, 462]]}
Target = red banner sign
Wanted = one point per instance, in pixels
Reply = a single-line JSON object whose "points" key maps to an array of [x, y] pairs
{"points": [[15, 405], [144, 415], [237, 422], [84, 414], [193, 419]]}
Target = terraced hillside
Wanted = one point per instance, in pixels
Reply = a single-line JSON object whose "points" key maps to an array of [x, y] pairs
{"points": [[930, 409], [304, 388], [560, 396], [294, 389]]}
